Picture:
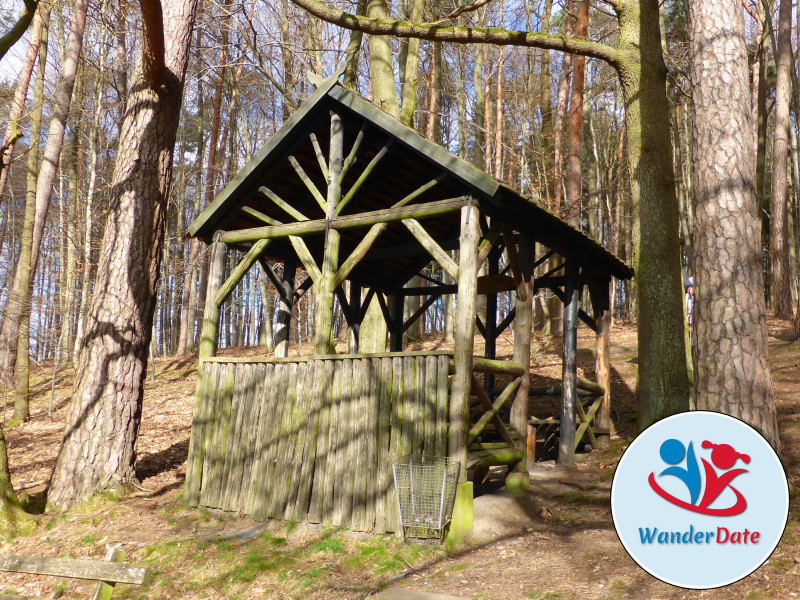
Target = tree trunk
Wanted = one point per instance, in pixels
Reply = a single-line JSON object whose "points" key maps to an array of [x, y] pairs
{"points": [[779, 221], [574, 175], [46, 177], [20, 93], [731, 373], [98, 446], [663, 385], [20, 297]]}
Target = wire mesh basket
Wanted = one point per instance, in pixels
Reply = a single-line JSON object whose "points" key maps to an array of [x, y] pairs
{"points": [[426, 491]]}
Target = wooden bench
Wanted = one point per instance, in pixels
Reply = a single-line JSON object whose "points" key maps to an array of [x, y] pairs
{"points": [[106, 574]]}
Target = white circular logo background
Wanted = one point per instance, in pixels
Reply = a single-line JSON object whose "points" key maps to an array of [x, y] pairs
{"points": [[699, 500]]}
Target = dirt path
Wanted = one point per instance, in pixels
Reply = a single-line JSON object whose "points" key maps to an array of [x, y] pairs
{"points": [[560, 544]]}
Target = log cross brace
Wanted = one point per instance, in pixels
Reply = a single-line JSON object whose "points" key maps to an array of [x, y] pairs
{"points": [[276, 281], [435, 250], [433, 297], [486, 245], [244, 265], [489, 415], [552, 284], [363, 177], [585, 421], [477, 389], [513, 261], [308, 183]]}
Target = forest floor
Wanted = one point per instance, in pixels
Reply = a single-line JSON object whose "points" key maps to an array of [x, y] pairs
{"points": [[564, 548]]}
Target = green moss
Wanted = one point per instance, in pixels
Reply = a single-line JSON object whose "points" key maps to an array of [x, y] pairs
{"points": [[332, 544]]}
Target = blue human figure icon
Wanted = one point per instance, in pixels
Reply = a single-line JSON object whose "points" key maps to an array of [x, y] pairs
{"points": [[672, 453]]}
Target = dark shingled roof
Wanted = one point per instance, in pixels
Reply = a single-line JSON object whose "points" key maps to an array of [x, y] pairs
{"points": [[410, 162]]}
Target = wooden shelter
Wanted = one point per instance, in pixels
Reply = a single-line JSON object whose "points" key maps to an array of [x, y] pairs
{"points": [[350, 194]]}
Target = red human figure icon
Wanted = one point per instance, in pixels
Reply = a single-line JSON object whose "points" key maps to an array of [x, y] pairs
{"points": [[724, 457]]}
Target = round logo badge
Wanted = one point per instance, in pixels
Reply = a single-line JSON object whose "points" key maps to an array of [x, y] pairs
{"points": [[700, 500]]}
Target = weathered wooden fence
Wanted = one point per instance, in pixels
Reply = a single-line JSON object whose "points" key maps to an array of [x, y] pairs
{"points": [[314, 439]]}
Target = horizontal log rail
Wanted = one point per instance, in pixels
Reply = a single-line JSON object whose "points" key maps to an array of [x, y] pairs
{"points": [[365, 219], [290, 359], [494, 457], [497, 367]]}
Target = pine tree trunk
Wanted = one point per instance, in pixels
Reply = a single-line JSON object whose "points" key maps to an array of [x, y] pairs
{"points": [[731, 370], [574, 171], [779, 221], [97, 451]]}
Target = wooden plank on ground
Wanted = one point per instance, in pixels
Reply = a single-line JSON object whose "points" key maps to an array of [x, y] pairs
{"points": [[74, 569]]}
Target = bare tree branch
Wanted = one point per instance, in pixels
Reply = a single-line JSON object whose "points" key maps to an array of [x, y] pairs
{"points": [[460, 35], [19, 27], [460, 10]]}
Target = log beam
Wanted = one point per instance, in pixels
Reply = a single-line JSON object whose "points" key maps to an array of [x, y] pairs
{"points": [[210, 328], [464, 335], [282, 204], [298, 168], [365, 219], [433, 248], [260, 216], [241, 269], [477, 389], [601, 305], [285, 308], [569, 370], [523, 324], [351, 193], [323, 316]]}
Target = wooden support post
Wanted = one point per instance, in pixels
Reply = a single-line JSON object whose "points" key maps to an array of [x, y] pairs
{"points": [[490, 323], [396, 324], [210, 329], [323, 324], [523, 321], [569, 369], [103, 590], [465, 328], [355, 316], [602, 317], [285, 309]]}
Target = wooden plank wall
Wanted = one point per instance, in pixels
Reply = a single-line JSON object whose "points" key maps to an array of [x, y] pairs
{"points": [[315, 439]]}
